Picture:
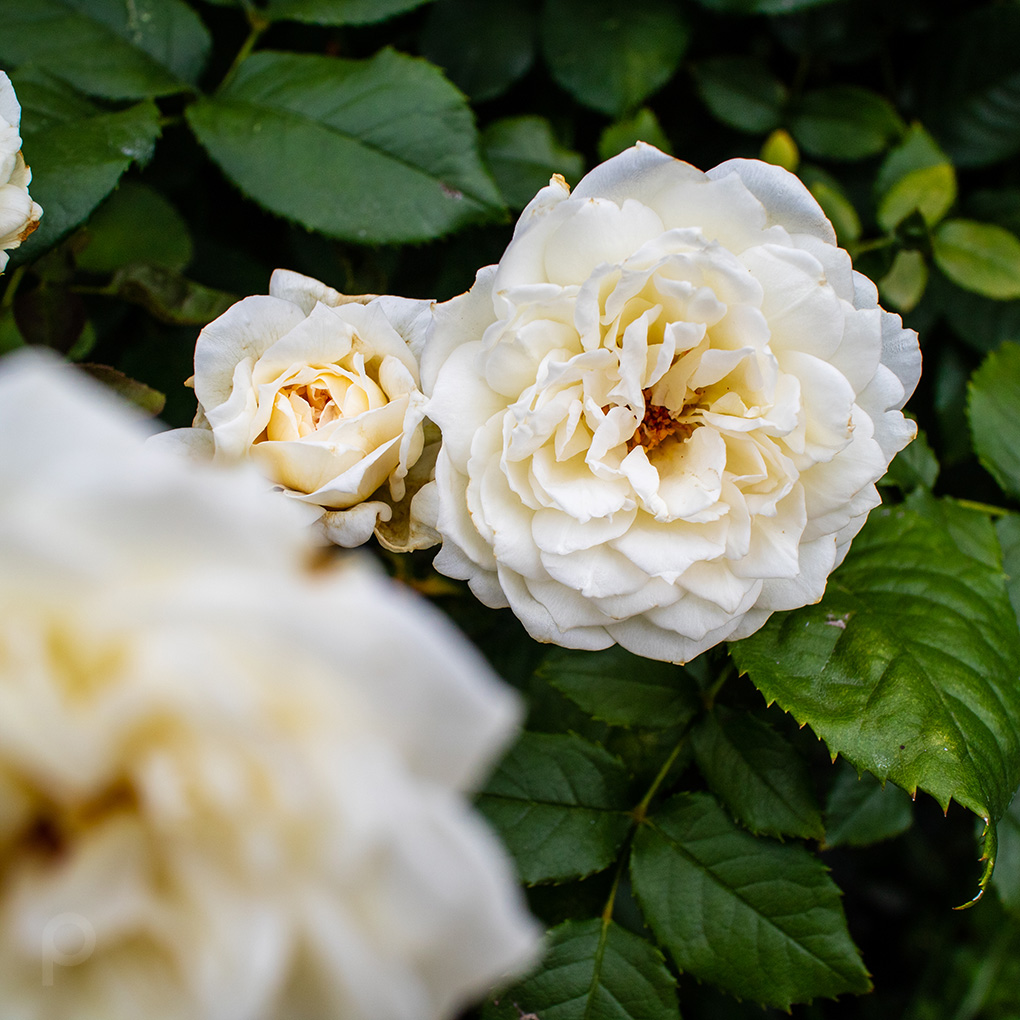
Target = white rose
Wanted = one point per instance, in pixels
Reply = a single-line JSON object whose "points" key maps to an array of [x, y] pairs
{"points": [[322, 392], [664, 411], [231, 788], [19, 215]]}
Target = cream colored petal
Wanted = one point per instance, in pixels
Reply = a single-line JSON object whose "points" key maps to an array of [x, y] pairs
{"points": [[784, 197], [10, 108], [456, 322], [900, 350], [598, 231], [244, 332], [353, 527], [461, 402], [301, 290]]}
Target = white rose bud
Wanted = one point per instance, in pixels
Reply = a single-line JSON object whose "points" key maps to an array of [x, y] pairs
{"points": [[665, 410], [19, 215], [322, 392], [230, 788]]}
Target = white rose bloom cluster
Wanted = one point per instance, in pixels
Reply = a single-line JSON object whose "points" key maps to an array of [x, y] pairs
{"points": [[19, 215], [322, 392], [231, 787], [665, 410]]}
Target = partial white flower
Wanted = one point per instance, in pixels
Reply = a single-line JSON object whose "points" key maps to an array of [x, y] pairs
{"points": [[231, 788], [322, 392], [664, 411], [19, 215]]}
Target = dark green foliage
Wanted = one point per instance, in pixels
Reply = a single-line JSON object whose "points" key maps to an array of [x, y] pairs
{"points": [[79, 152], [908, 667], [625, 54], [560, 804], [758, 775], [861, 810], [971, 72], [992, 407], [391, 132], [742, 93], [621, 688], [523, 153], [593, 970], [759, 918], [107, 47], [338, 12], [484, 48]]}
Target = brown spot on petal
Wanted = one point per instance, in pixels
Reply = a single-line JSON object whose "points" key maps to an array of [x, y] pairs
{"points": [[52, 829], [30, 228], [44, 838]]}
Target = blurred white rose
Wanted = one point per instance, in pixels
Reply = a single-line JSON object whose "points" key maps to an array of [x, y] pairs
{"points": [[322, 392], [664, 411], [230, 787], [19, 215]]}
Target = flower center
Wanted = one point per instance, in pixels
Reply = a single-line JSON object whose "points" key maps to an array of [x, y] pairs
{"points": [[319, 402], [660, 424]]}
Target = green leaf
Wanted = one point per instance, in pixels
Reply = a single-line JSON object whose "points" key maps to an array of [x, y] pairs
{"points": [[621, 688], [981, 257], [109, 48], [77, 154], [762, 6], [483, 47], [168, 296], [644, 126], [1006, 878], [860, 810], [904, 285], [786, 6], [916, 175], [758, 918], [622, 56], [908, 665], [83, 347], [560, 804], [741, 92], [10, 336], [982, 323], [837, 207], [758, 775], [948, 383], [337, 12], [135, 224], [914, 466], [970, 530], [1007, 530], [51, 315], [971, 75], [992, 401], [780, 149], [593, 970], [523, 153], [145, 397], [930, 191], [845, 122], [386, 147]]}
